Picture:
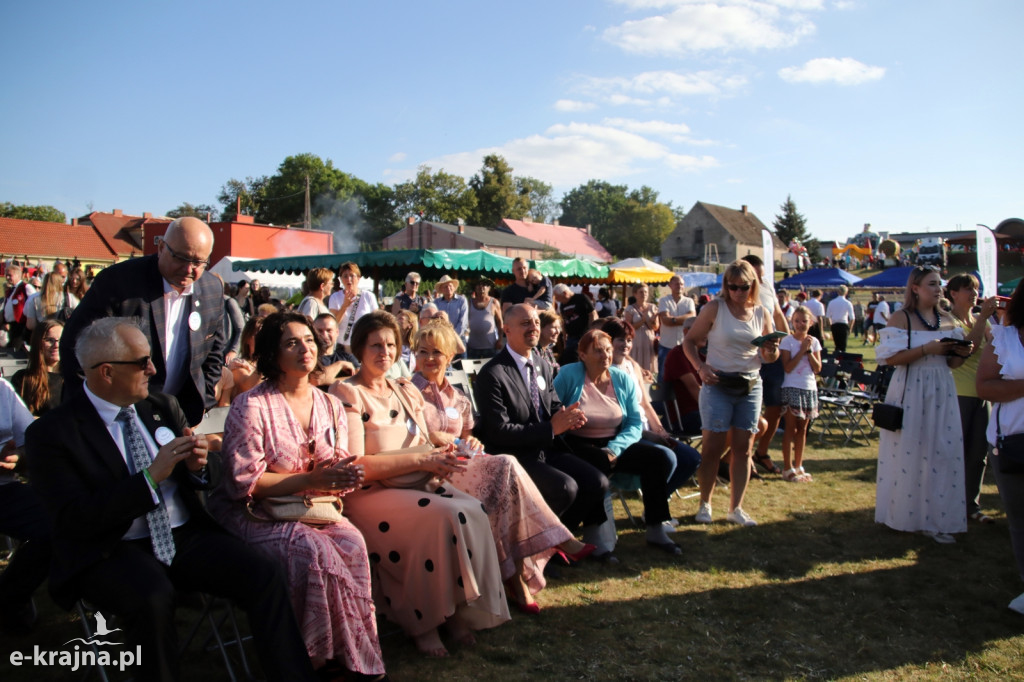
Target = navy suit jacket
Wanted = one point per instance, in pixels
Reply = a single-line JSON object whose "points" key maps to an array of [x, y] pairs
{"points": [[135, 288], [77, 469], [508, 423]]}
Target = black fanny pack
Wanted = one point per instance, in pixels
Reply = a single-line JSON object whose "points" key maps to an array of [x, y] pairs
{"points": [[734, 384]]}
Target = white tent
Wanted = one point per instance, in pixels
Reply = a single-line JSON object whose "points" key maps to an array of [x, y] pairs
{"points": [[633, 263], [282, 286]]}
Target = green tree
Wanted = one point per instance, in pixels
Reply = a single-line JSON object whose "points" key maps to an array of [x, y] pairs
{"points": [[792, 225], [380, 214], [594, 203], [640, 227], [250, 191], [538, 195], [439, 196], [497, 196], [284, 197], [196, 211], [25, 212]]}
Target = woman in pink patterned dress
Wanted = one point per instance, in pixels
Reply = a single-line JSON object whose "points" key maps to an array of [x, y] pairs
{"points": [[285, 437], [526, 531]]}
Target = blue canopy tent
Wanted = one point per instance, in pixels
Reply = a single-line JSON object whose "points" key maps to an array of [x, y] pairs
{"points": [[821, 278], [893, 278]]}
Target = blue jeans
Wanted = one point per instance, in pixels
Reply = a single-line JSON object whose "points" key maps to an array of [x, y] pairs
{"points": [[685, 461]]}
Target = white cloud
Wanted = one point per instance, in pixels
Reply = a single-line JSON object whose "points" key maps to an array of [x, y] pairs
{"points": [[845, 71], [397, 157], [573, 105], [571, 153], [664, 85], [705, 26]]}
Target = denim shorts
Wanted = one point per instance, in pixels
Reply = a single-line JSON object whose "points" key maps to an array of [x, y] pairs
{"points": [[720, 412]]}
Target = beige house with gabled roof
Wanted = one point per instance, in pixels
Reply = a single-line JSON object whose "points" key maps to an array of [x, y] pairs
{"points": [[734, 234]]}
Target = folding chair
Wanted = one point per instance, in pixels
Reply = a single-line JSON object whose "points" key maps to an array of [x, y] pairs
{"points": [[10, 365], [213, 421], [460, 380], [671, 417]]}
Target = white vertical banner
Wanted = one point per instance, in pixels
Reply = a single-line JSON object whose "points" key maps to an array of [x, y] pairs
{"points": [[988, 255], [769, 256]]}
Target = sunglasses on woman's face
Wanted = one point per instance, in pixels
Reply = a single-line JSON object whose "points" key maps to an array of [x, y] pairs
{"points": [[738, 287]]}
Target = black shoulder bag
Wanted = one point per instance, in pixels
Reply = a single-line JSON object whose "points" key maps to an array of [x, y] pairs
{"points": [[890, 417]]}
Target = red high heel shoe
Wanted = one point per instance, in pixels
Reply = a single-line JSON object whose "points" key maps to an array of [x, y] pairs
{"points": [[587, 550], [529, 609]]}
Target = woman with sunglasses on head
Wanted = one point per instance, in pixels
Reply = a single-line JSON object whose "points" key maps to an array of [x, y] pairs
{"points": [[730, 394], [40, 384], [920, 466], [526, 532], [282, 438]]}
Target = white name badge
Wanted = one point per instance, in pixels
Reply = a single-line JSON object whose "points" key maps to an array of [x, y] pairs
{"points": [[451, 413], [541, 383], [330, 438], [194, 321], [163, 435]]}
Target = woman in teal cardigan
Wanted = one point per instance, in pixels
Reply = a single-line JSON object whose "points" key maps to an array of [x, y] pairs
{"points": [[610, 440]]}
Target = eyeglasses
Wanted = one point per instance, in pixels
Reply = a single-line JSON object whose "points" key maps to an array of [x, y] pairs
{"points": [[142, 363], [925, 268], [738, 287], [194, 262]]}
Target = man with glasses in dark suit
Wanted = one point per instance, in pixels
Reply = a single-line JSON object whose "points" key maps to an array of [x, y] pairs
{"points": [[180, 312], [118, 470]]}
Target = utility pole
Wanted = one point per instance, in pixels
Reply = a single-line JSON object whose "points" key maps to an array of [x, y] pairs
{"points": [[306, 221]]}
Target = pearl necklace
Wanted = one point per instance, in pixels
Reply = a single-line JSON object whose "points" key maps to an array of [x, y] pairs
{"points": [[928, 326]]}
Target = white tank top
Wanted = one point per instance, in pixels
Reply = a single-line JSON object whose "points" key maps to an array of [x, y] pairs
{"points": [[729, 347]]}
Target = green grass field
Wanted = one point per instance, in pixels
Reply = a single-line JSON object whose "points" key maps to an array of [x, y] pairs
{"points": [[817, 590]]}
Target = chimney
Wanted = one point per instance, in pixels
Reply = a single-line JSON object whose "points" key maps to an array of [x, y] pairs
{"points": [[588, 228], [745, 210], [118, 211], [74, 221], [411, 220], [147, 215], [555, 222], [462, 226]]}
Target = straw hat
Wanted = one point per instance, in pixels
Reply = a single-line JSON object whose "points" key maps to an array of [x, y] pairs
{"points": [[445, 279]]}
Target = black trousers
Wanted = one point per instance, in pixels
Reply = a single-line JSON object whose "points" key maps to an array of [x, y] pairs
{"points": [[840, 333], [24, 518], [142, 592], [573, 489], [646, 460]]}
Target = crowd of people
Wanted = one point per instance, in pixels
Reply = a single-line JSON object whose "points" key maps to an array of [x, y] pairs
{"points": [[355, 477]]}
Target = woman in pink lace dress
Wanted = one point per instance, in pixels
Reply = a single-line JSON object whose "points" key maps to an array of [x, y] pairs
{"points": [[285, 437], [643, 315], [525, 529]]}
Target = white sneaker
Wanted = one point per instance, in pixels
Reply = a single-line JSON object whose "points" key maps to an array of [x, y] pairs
{"points": [[740, 517], [704, 513], [1017, 604], [941, 538], [669, 526]]}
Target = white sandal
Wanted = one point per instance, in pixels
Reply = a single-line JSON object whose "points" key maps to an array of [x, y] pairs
{"points": [[791, 475], [803, 476]]}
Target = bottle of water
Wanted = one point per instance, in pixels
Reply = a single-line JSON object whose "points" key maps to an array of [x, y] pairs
{"points": [[464, 449]]}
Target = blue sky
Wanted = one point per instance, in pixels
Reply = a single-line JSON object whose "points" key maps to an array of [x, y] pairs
{"points": [[902, 114]]}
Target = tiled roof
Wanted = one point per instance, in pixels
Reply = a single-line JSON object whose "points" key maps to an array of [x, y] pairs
{"points": [[120, 232], [491, 237], [746, 227], [572, 241], [35, 238]]}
